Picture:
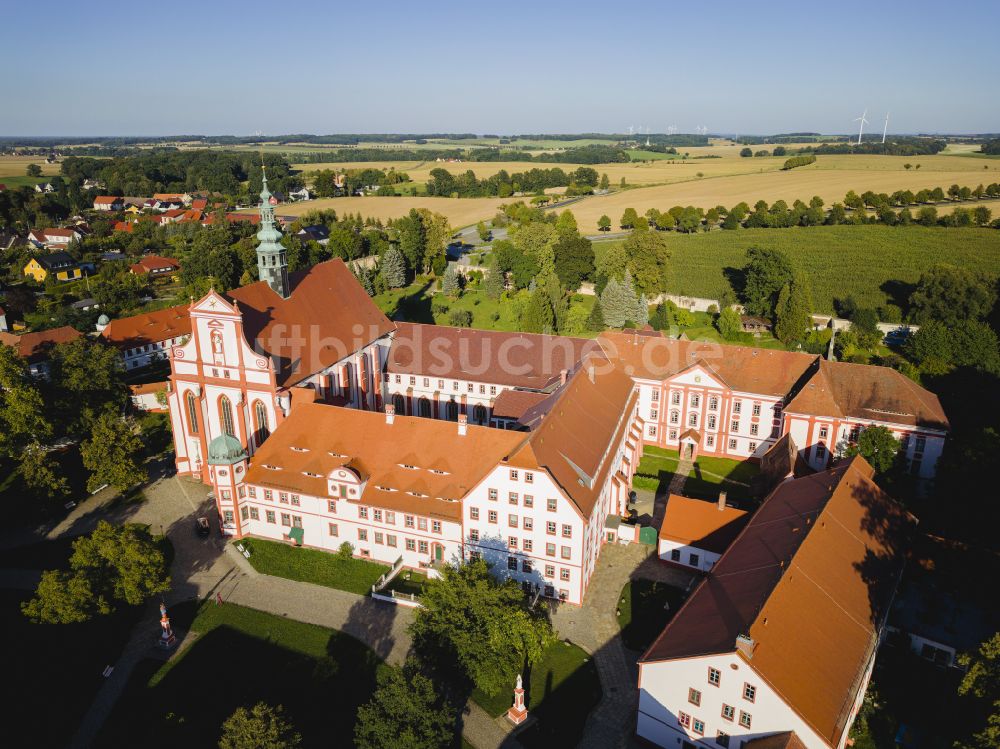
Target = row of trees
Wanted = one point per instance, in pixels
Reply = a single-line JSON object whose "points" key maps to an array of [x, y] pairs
{"points": [[503, 185]]}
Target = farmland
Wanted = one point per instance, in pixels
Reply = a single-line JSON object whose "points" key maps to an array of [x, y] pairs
{"points": [[874, 264], [459, 211], [15, 166]]}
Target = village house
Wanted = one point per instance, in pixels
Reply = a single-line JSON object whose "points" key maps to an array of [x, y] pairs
{"points": [[108, 203], [780, 638], [173, 198], [154, 265], [59, 265], [35, 348], [54, 237], [45, 187]]}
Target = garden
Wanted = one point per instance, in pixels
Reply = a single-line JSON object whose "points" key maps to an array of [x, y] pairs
{"points": [[332, 569]]}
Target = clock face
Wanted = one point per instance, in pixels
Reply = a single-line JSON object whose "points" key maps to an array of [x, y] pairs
{"points": [[697, 378]]}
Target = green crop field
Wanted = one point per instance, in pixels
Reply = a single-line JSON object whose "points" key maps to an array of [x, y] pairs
{"points": [[874, 264]]}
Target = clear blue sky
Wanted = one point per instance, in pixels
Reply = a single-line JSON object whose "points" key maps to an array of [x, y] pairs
{"points": [[115, 68]]}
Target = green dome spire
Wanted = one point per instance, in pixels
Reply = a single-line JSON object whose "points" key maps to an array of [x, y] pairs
{"points": [[225, 450], [272, 266]]}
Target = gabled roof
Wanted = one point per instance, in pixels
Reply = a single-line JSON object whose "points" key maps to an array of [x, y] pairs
{"points": [[526, 360], [35, 347], [148, 327], [592, 411], [861, 391], [149, 263], [326, 316], [785, 740], [56, 261], [809, 581], [742, 368], [316, 438], [513, 404], [106, 200], [695, 522]]}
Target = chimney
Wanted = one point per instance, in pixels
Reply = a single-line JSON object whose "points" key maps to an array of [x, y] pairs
{"points": [[463, 424], [722, 501], [390, 413], [562, 376], [745, 646]]}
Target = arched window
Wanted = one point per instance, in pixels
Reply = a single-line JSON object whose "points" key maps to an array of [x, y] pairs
{"points": [[192, 409], [400, 403], [424, 408], [452, 411], [479, 414], [226, 416], [260, 421]]}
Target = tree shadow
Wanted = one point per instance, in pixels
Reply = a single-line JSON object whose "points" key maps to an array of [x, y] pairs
{"points": [[898, 292], [371, 621]]}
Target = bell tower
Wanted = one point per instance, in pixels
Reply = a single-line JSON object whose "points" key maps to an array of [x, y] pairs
{"points": [[272, 265]]}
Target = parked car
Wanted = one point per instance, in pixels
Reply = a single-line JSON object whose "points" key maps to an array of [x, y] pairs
{"points": [[202, 527]]}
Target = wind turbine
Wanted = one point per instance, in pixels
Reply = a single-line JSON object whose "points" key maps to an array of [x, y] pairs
{"points": [[886, 128], [863, 122]]}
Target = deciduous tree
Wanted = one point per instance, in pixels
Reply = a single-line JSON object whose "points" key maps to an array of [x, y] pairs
{"points": [[876, 445], [113, 453], [406, 712], [260, 727]]}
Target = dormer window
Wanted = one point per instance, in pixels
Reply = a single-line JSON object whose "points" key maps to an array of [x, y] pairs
{"points": [[270, 467], [300, 449], [408, 466]]}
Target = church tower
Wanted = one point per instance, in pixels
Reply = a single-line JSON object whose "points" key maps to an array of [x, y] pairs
{"points": [[272, 265]]}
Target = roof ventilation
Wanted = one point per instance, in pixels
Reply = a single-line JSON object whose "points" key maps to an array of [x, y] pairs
{"points": [[745, 646]]}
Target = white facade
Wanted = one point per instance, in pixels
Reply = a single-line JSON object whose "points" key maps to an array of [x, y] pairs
{"points": [[440, 398], [668, 717], [149, 353], [689, 556]]}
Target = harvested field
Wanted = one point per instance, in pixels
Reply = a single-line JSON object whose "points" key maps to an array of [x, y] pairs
{"points": [[459, 211], [15, 166]]}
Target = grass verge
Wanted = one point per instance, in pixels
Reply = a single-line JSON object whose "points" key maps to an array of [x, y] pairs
{"points": [[313, 566]]}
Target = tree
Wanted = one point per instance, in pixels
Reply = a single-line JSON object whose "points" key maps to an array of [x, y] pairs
{"points": [[746, 152], [950, 295], [648, 258], [113, 564], [766, 273], [605, 183], [460, 318], [630, 219], [451, 284], [87, 378], [792, 312], [483, 231], [42, 474], [365, 278], [729, 324], [539, 316], [393, 268], [574, 260], [405, 712], [595, 320], [876, 445], [112, 454], [260, 727], [437, 233], [982, 682], [604, 223], [665, 221], [33, 170], [982, 215], [481, 625], [412, 240], [495, 282]]}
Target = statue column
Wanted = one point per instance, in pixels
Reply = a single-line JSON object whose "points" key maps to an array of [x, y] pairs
{"points": [[517, 713]]}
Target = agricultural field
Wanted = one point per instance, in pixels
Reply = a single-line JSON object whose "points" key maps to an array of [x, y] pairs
{"points": [[459, 211], [874, 264], [15, 166]]}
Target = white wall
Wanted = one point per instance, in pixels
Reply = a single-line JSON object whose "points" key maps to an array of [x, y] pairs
{"points": [[706, 559], [663, 694]]}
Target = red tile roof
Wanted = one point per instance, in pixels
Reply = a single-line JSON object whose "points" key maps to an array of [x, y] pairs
{"points": [[150, 263], [316, 439], [106, 200], [695, 522], [148, 327], [327, 316], [866, 392], [809, 581], [123, 226], [513, 404], [527, 360], [590, 412], [35, 346]]}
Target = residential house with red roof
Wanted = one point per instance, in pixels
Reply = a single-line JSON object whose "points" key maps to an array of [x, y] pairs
{"points": [[36, 347], [146, 338], [108, 203], [53, 237], [154, 265]]}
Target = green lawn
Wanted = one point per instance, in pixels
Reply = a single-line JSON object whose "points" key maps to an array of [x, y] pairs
{"points": [[313, 566], [711, 475], [644, 608], [656, 469], [874, 264], [418, 303], [560, 691], [54, 670], [241, 656], [407, 582]]}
